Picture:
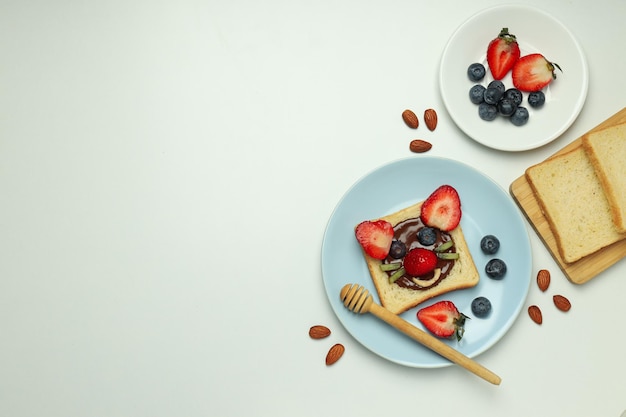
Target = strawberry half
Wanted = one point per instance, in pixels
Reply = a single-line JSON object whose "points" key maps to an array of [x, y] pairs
{"points": [[419, 261], [443, 319], [375, 237], [442, 209], [533, 72], [502, 53]]}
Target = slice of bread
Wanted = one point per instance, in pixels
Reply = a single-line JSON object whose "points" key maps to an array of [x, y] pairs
{"points": [[571, 197], [398, 299], [606, 149]]}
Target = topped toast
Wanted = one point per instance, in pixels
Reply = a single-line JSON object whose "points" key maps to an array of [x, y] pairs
{"points": [[420, 253]]}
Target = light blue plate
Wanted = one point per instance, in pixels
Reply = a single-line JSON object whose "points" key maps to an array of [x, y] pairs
{"points": [[487, 209]]}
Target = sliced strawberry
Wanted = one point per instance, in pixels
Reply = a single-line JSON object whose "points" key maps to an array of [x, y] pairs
{"points": [[375, 237], [443, 319], [533, 72], [442, 209], [502, 53], [419, 261]]}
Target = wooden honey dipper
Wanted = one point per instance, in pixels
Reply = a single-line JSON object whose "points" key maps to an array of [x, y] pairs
{"points": [[358, 300]]}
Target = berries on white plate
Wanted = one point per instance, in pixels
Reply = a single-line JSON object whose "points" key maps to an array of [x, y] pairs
{"points": [[502, 54], [533, 72]]}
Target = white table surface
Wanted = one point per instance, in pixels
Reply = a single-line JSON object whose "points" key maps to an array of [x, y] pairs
{"points": [[167, 170]]}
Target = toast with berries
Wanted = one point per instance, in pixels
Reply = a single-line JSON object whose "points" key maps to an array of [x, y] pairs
{"points": [[408, 276]]}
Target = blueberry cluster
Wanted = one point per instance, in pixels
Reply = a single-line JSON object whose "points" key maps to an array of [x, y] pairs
{"points": [[496, 100]]}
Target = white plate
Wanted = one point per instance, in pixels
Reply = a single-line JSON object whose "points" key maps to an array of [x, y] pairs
{"points": [[536, 31], [487, 209]]}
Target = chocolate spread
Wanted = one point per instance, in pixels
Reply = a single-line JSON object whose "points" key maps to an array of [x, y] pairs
{"points": [[406, 232]]}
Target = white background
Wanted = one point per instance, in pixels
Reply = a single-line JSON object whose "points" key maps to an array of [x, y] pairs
{"points": [[167, 170]]}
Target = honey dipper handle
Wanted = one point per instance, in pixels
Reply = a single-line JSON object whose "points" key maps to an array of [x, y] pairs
{"points": [[434, 344]]}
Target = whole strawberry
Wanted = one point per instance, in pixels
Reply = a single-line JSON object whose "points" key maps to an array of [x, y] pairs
{"points": [[375, 237], [443, 319], [419, 261], [533, 72], [502, 53]]}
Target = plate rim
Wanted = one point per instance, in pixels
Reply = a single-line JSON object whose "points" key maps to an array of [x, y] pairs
{"points": [[580, 99], [501, 331]]}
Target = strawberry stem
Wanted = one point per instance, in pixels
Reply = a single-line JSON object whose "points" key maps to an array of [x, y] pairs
{"points": [[459, 324], [506, 36]]}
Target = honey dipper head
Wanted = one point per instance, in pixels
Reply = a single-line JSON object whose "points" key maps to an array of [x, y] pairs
{"points": [[356, 298]]}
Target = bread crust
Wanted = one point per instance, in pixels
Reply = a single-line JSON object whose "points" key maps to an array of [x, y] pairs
{"points": [[398, 299]]}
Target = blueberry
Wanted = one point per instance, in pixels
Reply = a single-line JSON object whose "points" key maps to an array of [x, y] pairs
{"points": [[427, 236], [397, 249], [476, 71], [515, 95], [498, 85], [487, 112], [477, 94], [520, 117], [495, 268], [536, 99], [492, 95], [489, 244], [506, 107], [481, 307]]}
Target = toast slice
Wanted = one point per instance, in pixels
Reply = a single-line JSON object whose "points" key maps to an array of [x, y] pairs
{"points": [[397, 299], [606, 149], [571, 197]]}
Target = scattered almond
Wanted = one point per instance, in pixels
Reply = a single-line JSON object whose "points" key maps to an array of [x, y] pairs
{"points": [[535, 314], [410, 119], [561, 303], [430, 118], [319, 332], [419, 146], [335, 352], [543, 279]]}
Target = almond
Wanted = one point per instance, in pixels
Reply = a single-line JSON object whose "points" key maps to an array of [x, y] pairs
{"points": [[410, 119], [419, 146], [535, 314], [430, 118], [561, 303], [543, 279], [335, 352], [319, 332]]}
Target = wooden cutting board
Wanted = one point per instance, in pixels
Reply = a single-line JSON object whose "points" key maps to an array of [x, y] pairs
{"points": [[590, 266]]}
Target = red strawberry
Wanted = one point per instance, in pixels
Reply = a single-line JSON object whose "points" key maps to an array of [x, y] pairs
{"points": [[533, 72], [442, 209], [419, 261], [502, 53], [375, 237], [443, 319]]}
